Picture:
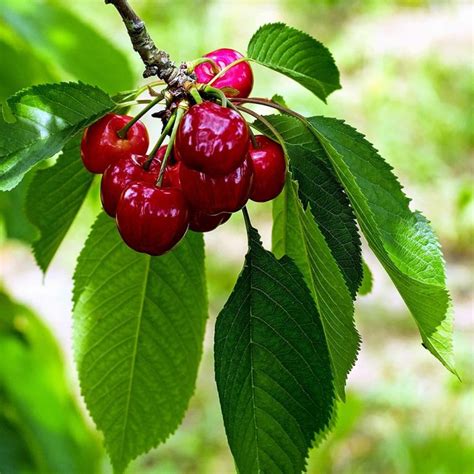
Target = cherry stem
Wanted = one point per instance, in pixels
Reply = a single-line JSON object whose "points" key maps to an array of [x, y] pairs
{"points": [[229, 66], [122, 133], [248, 224], [146, 87], [163, 135], [253, 139], [179, 115], [214, 66], [195, 94], [131, 103], [269, 103], [266, 123], [217, 92], [134, 93]]}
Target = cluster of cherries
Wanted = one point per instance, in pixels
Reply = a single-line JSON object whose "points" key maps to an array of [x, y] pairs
{"points": [[212, 169]]}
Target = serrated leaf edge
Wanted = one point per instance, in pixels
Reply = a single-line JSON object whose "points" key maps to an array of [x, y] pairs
{"points": [[280, 25]]}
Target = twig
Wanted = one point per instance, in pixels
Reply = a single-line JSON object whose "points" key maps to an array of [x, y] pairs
{"points": [[157, 62]]}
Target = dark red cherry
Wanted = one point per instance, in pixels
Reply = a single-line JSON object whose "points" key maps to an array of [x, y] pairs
{"points": [[171, 177], [238, 77], [152, 220], [217, 194], [212, 139], [120, 174], [200, 222], [160, 154], [101, 146], [269, 169]]}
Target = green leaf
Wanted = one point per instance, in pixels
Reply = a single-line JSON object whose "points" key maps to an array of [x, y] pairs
{"points": [[367, 280], [13, 214], [54, 198], [65, 41], [297, 55], [138, 330], [46, 118], [320, 190], [278, 99], [402, 240], [272, 366], [296, 234], [45, 428]]}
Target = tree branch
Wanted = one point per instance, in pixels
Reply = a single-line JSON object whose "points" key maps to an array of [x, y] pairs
{"points": [[157, 62]]}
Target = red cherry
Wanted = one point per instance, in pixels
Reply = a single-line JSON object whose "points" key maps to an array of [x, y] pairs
{"points": [[238, 77], [152, 220], [200, 222], [214, 195], [122, 173], [212, 139], [171, 178], [160, 154], [101, 146], [269, 168]]}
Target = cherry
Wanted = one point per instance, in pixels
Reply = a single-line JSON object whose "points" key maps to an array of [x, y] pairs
{"points": [[217, 194], [101, 145], [212, 139], [152, 220], [120, 174], [269, 168], [130, 169], [238, 77], [201, 222], [198, 221], [160, 154], [171, 178]]}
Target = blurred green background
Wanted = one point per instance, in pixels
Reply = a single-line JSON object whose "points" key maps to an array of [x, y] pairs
{"points": [[407, 75]]}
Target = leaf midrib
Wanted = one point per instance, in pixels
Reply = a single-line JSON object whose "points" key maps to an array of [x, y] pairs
{"points": [[252, 382], [135, 351], [368, 215], [312, 277]]}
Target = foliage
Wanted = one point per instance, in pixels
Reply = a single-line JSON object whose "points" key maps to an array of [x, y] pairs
{"points": [[139, 321], [272, 365], [296, 234], [51, 43], [297, 55], [38, 122], [53, 216], [319, 190], [403, 241], [139, 324]]}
